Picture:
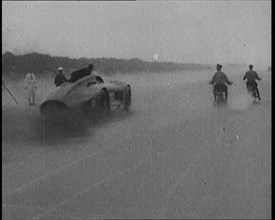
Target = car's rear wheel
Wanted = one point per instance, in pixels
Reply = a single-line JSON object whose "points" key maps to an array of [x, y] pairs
{"points": [[127, 99], [104, 102]]}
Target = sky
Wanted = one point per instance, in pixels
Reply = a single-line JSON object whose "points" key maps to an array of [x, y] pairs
{"points": [[206, 32]]}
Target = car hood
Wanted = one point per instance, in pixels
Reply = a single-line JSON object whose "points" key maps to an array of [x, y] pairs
{"points": [[59, 92]]}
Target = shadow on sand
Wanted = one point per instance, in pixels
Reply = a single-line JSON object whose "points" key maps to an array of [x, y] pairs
{"points": [[28, 126]]}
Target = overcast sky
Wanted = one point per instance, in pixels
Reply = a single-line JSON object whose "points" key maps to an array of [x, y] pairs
{"points": [[177, 31]]}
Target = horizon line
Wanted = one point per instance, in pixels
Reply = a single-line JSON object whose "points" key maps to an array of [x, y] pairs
{"points": [[153, 61]]}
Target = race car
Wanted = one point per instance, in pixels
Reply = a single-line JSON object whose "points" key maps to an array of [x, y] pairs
{"points": [[87, 95]]}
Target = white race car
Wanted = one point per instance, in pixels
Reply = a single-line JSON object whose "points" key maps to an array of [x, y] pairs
{"points": [[88, 94]]}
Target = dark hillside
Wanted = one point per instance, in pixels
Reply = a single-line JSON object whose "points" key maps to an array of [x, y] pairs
{"points": [[42, 63]]}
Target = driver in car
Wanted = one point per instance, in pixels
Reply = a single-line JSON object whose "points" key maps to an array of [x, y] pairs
{"points": [[219, 79]]}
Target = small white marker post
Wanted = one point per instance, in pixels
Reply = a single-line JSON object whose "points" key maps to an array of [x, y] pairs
{"points": [[156, 56]]}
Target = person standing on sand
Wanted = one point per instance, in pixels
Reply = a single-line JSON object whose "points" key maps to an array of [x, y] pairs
{"points": [[30, 86]]}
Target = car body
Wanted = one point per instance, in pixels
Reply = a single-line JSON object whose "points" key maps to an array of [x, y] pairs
{"points": [[88, 94]]}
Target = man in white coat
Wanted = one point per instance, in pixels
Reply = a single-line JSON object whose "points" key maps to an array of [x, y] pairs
{"points": [[30, 86]]}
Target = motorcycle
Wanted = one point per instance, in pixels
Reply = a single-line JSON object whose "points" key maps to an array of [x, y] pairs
{"points": [[220, 96], [252, 91]]}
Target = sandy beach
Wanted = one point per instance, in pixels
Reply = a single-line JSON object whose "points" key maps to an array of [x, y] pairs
{"points": [[174, 155]]}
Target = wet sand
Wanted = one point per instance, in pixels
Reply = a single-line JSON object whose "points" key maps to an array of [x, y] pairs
{"points": [[174, 155]]}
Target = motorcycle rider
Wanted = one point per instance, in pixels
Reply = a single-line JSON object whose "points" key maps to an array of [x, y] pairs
{"points": [[219, 79], [251, 77]]}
